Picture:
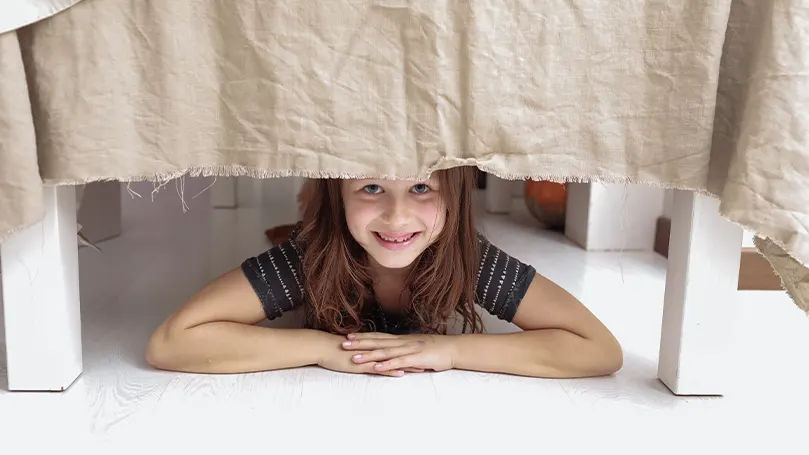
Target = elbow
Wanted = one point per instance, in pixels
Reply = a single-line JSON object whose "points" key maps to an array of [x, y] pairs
{"points": [[611, 357], [156, 354], [159, 350]]}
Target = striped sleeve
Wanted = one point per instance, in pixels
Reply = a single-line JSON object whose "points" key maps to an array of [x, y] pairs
{"points": [[276, 278], [502, 280]]}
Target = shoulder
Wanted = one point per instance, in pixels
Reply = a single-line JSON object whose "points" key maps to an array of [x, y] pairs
{"points": [[483, 243], [482, 239], [487, 249], [492, 257], [276, 277], [296, 241], [502, 279], [291, 250]]}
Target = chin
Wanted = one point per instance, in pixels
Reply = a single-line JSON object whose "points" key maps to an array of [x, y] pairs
{"points": [[395, 261]]}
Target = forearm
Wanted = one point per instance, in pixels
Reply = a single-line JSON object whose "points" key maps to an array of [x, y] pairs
{"points": [[229, 347], [548, 353]]}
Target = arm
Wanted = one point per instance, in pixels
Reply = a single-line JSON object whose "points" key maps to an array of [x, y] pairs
{"points": [[214, 332], [561, 338]]}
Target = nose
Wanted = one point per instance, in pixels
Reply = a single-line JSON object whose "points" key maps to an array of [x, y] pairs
{"points": [[397, 213]]}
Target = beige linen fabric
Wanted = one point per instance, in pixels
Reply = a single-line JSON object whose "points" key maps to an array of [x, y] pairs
{"points": [[705, 96], [18, 13]]}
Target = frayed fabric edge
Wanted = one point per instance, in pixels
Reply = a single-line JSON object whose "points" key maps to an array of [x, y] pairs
{"points": [[259, 173], [789, 286], [245, 171], [236, 170]]}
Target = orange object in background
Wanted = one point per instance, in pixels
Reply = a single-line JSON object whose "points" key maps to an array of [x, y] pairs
{"points": [[279, 234], [547, 202]]}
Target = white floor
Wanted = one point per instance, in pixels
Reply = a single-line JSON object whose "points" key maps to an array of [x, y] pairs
{"points": [[120, 403]]}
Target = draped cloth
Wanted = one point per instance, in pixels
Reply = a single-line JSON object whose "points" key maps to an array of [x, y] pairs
{"points": [[705, 96]]}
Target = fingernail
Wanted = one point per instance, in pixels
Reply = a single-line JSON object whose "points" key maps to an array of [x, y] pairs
{"points": [[357, 356], [346, 343], [351, 336]]}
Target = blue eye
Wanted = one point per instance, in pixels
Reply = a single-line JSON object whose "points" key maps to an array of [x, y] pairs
{"points": [[421, 188], [372, 189]]}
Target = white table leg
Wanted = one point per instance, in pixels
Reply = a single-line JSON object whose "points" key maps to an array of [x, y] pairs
{"points": [[498, 194], [700, 297], [40, 272]]}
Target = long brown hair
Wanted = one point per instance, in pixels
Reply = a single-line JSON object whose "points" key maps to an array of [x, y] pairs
{"points": [[337, 275]]}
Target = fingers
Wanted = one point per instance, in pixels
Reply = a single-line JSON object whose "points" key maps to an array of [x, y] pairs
{"points": [[386, 353], [373, 344], [393, 373], [399, 363], [369, 368], [398, 355], [365, 368]]}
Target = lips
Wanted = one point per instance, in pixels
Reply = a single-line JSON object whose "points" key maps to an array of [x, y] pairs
{"points": [[395, 237], [396, 241]]}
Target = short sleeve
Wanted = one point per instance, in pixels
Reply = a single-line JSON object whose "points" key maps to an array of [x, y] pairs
{"points": [[276, 278], [502, 280]]}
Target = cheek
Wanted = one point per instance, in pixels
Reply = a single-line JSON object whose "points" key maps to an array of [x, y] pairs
{"points": [[358, 215], [434, 216]]}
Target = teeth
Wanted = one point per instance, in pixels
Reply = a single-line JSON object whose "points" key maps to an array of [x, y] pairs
{"points": [[402, 240]]}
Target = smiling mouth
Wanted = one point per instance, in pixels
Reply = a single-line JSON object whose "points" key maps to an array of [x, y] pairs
{"points": [[395, 238]]}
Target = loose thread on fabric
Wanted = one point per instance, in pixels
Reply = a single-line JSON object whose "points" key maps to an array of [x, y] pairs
{"points": [[157, 186], [179, 185], [259, 173], [132, 193], [206, 188]]}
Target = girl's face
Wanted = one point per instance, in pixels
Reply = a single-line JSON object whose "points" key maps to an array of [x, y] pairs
{"points": [[393, 220]]}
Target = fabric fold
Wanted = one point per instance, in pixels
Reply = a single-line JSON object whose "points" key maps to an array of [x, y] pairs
{"points": [[702, 96]]}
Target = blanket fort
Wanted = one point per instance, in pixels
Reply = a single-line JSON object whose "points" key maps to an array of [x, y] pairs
{"points": [[704, 96]]}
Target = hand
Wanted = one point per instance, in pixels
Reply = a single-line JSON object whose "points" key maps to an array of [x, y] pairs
{"points": [[414, 353], [337, 359]]}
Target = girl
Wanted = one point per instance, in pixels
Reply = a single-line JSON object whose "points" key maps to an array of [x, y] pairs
{"points": [[380, 268]]}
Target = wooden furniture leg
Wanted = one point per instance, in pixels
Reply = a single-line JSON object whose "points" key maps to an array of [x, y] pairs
{"points": [[701, 286], [40, 273]]}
